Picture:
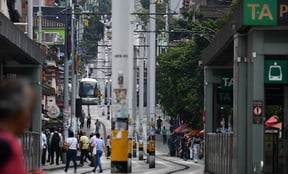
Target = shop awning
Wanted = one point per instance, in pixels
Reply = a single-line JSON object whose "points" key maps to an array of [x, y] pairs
{"points": [[180, 128], [192, 133], [47, 89], [273, 122]]}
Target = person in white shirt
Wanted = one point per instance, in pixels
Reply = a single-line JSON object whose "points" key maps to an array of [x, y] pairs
{"points": [[43, 147], [100, 148], [72, 151]]}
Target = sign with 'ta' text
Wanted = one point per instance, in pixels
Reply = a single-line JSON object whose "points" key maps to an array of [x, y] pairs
{"points": [[265, 12]]}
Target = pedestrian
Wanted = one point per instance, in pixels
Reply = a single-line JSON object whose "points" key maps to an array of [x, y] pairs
{"points": [[196, 147], [55, 146], [84, 147], [17, 105], [108, 146], [47, 132], [43, 147], [159, 124], [72, 151], [82, 119], [97, 126], [88, 122], [100, 148], [164, 134]]}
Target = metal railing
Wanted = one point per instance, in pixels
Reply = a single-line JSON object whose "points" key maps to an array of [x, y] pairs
{"points": [[218, 153], [31, 149]]}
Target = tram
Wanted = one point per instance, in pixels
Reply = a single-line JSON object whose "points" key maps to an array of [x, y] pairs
{"points": [[89, 91]]}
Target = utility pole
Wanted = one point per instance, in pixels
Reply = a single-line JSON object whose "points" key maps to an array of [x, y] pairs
{"points": [[73, 73], [40, 21], [30, 19], [151, 84], [141, 97], [66, 67], [131, 85], [120, 81]]}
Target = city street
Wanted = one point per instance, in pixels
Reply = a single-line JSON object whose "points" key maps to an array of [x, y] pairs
{"points": [[164, 163]]}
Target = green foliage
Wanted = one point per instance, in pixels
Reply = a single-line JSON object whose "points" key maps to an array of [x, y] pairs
{"points": [[179, 76], [179, 83], [95, 30]]}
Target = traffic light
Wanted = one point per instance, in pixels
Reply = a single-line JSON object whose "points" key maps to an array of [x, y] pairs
{"points": [[78, 107], [86, 22]]}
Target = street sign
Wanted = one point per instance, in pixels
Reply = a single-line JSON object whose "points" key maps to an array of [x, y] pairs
{"points": [[224, 97], [257, 111], [275, 72], [265, 12]]}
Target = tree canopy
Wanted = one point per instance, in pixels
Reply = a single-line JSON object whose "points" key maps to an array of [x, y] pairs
{"points": [[179, 74]]}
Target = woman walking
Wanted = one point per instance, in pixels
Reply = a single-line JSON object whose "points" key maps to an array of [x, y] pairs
{"points": [[72, 151]]}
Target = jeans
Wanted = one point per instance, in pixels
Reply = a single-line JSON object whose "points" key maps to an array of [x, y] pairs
{"points": [[84, 153], [53, 151], [71, 155], [43, 156], [98, 160], [196, 152]]}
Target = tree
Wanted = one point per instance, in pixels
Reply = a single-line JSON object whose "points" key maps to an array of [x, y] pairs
{"points": [[94, 32], [179, 76], [179, 82]]}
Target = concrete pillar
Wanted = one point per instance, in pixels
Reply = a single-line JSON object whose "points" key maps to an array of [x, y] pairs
{"points": [[239, 104], [255, 78], [208, 99]]}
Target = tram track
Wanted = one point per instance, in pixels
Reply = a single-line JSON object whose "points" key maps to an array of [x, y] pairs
{"points": [[185, 167]]}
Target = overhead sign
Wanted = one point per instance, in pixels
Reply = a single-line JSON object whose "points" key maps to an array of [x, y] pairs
{"points": [[227, 82], [265, 12], [275, 72]]}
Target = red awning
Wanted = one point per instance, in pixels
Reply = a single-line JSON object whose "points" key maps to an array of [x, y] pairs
{"points": [[180, 128], [273, 122], [192, 133]]}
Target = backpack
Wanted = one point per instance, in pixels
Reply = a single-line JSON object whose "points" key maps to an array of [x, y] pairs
{"points": [[55, 140]]}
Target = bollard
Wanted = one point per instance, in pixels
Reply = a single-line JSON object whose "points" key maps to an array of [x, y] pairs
{"points": [[134, 149], [140, 151], [152, 152], [130, 144]]}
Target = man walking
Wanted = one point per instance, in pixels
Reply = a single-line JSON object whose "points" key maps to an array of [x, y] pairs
{"points": [[43, 147], [84, 147], [97, 126], [55, 143], [100, 148], [164, 134], [159, 124]]}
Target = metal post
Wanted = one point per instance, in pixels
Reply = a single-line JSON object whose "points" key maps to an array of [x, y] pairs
{"points": [[151, 80], [73, 74], [30, 19], [120, 57], [40, 21], [66, 68], [141, 98], [131, 84], [167, 25]]}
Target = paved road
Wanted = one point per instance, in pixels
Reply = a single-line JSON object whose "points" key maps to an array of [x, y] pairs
{"points": [[164, 163]]}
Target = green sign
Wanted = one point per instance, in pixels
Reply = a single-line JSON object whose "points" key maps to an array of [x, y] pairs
{"points": [[275, 72], [225, 97], [227, 82], [265, 12], [260, 12]]}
